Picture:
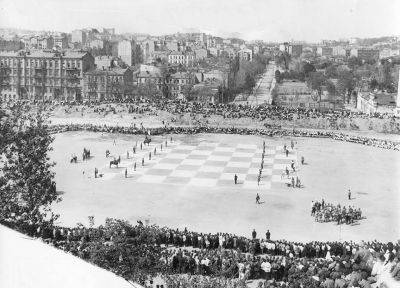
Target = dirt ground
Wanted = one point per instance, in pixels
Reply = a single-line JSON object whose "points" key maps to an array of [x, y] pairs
{"points": [[332, 168]]}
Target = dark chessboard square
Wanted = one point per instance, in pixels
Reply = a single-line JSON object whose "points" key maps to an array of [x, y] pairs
{"points": [[197, 157], [245, 150], [221, 153], [177, 180], [171, 161], [160, 172], [238, 170], [256, 164], [188, 167], [181, 151], [215, 163], [207, 148], [210, 175], [241, 159]]}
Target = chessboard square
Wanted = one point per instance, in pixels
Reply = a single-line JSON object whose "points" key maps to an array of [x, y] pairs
{"points": [[280, 166], [209, 144], [182, 151], [201, 152], [270, 152], [177, 180], [254, 170], [239, 164], [244, 150], [166, 166], [215, 169], [224, 149], [251, 177], [220, 158], [208, 175], [151, 179], [183, 173], [225, 182], [230, 176], [197, 162], [174, 155], [203, 182], [243, 154], [155, 171], [187, 147], [221, 153], [255, 185], [171, 160], [291, 156], [205, 148], [215, 163], [267, 171], [241, 159], [247, 146], [278, 178], [197, 157], [256, 164], [235, 170], [188, 167]]}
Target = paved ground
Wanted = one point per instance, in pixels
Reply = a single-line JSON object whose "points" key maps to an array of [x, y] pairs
{"points": [[212, 203]]}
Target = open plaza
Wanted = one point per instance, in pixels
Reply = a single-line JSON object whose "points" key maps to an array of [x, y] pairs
{"points": [[188, 181]]}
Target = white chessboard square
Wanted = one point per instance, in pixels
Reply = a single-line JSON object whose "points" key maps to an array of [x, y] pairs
{"points": [[208, 144], [270, 151], [281, 166], [196, 162], [254, 171], [176, 156], [215, 169], [254, 185], [151, 179], [165, 166], [203, 182], [283, 156], [267, 160], [187, 147], [239, 164], [183, 173], [242, 154], [219, 158], [230, 176], [224, 149], [278, 178]]}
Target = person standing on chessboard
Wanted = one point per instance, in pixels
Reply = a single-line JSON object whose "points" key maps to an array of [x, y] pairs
{"points": [[235, 179]]}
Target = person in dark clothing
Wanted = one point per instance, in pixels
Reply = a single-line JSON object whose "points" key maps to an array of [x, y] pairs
{"points": [[254, 234], [268, 235], [235, 178]]}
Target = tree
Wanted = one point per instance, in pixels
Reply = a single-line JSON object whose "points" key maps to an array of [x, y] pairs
{"points": [[249, 82], [315, 81], [346, 84], [307, 68], [27, 186]]}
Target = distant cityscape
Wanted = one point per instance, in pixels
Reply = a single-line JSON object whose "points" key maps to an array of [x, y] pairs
{"points": [[97, 65]]}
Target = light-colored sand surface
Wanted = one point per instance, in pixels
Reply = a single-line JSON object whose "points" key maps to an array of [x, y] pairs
{"points": [[372, 174]]}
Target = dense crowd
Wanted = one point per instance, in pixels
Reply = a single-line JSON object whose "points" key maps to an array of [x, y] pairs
{"points": [[137, 251], [327, 212], [386, 144]]}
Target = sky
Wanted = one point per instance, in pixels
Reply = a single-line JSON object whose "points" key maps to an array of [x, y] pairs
{"points": [[268, 20]]}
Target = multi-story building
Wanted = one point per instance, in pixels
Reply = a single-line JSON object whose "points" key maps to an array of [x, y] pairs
{"points": [[11, 45], [125, 51], [325, 51], [79, 36], [61, 41], [370, 103], [183, 58], [338, 51], [245, 54], [365, 54], [151, 76], [45, 76], [107, 84], [178, 82], [295, 50], [46, 42], [200, 53]]}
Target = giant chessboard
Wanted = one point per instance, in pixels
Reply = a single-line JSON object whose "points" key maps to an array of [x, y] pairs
{"points": [[207, 164]]}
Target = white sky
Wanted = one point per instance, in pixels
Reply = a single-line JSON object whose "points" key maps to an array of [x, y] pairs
{"points": [[270, 20]]}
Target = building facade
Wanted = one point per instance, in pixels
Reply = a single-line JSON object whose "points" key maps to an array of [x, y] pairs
{"points": [[185, 59], [125, 51], [44, 76], [107, 84]]}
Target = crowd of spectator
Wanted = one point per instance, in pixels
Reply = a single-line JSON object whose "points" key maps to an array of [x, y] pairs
{"points": [[167, 129], [135, 252], [328, 212]]}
